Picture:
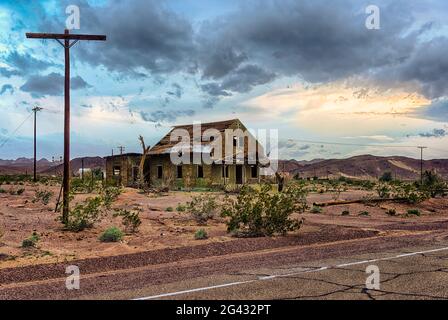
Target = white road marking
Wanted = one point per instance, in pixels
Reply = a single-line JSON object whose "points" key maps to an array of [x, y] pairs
{"points": [[264, 278]]}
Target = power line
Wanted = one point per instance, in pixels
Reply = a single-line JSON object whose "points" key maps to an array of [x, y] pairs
{"points": [[15, 131]]}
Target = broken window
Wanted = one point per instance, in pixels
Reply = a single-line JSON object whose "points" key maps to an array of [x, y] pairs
{"points": [[200, 172], [179, 172], [253, 171], [225, 171], [159, 172], [117, 171]]}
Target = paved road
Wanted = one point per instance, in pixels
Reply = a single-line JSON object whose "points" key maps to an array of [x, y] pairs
{"points": [[413, 264]]}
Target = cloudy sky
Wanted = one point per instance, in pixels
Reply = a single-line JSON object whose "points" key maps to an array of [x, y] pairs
{"points": [[309, 68]]}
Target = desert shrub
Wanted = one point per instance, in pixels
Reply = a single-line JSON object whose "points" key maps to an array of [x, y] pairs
{"points": [[31, 241], [201, 234], [20, 191], [391, 212], [316, 209], [109, 195], [84, 215], [433, 184], [181, 208], [169, 209], [345, 213], [410, 193], [383, 190], [131, 219], [414, 212], [386, 177], [364, 213], [202, 208], [42, 195], [2, 190], [111, 235], [260, 213]]}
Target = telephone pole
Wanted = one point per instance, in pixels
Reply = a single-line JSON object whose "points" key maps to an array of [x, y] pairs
{"points": [[121, 148], [35, 110], [66, 44], [421, 163]]}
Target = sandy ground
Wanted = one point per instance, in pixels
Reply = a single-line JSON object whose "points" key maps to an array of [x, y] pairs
{"points": [[161, 229]]}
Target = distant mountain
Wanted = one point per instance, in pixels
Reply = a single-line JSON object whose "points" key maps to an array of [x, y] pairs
{"points": [[45, 167], [76, 164], [365, 167]]}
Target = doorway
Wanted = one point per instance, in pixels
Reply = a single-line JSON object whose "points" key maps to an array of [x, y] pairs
{"points": [[239, 174]]}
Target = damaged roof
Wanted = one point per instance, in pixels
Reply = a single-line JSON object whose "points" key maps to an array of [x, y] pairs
{"points": [[164, 146]]}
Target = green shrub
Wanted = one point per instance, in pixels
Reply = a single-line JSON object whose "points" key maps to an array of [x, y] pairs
{"points": [[383, 190], [131, 219], [386, 177], [2, 190], [109, 195], [84, 215], [202, 208], [414, 212], [201, 234], [42, 195], [111, 235], [169, 209], [391, 212], [261, 213], [31, 241], [364, 213], [345, 213], [316, 210], [181, 208], [20, 191]]}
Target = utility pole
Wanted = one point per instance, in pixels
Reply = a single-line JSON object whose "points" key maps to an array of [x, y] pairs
{"points": [[121, 148], [421, 163], [35, 110], [82, 169], [66, 37]]}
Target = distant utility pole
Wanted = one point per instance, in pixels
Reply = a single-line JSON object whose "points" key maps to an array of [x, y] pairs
{"points": [[66, 36], [82, 169], [421, 163], [121, 148], [35, 110]]}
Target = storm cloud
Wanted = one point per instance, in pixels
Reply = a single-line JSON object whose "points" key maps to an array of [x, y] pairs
{"points": [[165, 115], [51, 85], [22, 65]]}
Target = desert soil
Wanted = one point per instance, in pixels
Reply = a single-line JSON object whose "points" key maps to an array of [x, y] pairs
{"points": [[164, 229]]}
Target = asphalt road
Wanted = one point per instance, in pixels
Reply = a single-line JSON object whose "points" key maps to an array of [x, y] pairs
{"points": [[412, 264]]}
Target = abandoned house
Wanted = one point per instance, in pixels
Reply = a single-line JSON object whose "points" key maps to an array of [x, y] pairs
{"points": [[123, 169], [224, 168]]}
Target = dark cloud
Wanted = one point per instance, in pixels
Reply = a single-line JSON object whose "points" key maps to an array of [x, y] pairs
{"points": [[143, 36], [241, 80], [437, 111], [51, 85], [6, 87], [262, 40], [177, 91], [428, 66], [165, 115], [22, 65], [436, 133]]}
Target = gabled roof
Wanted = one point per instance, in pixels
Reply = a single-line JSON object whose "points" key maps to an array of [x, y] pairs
{"points": [[164, 146]]}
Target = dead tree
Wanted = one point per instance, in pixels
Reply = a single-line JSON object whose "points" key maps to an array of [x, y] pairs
{"points": [[142, 162]]}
